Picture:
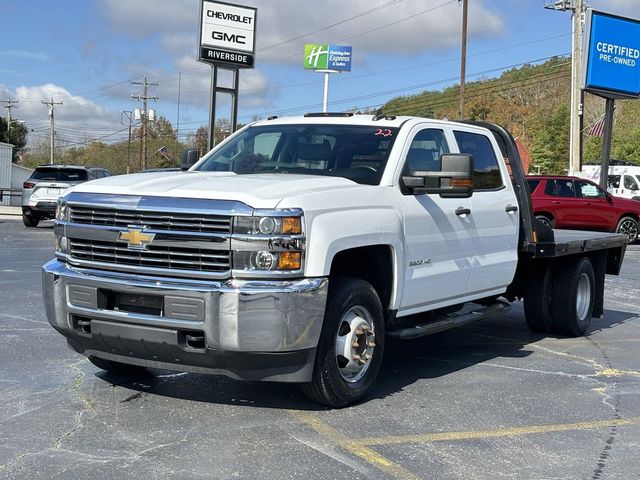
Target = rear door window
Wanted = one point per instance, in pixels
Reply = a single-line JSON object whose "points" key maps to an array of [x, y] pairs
{"points": [[560, 188], [486, 169], [60, 174]]}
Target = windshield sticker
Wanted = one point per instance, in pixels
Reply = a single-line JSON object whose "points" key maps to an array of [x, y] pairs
{"points": [[384, 132]]}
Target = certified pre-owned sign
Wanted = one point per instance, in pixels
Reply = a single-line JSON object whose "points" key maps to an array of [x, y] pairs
{"points": [[227, 34]]}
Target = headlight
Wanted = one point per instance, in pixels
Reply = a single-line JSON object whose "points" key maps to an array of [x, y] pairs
{"points": [[267, 261], [268, 225], [62, 211], [271, 243]]}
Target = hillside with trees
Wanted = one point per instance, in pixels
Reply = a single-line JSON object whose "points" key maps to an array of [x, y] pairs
{"points": [[532, 101]]}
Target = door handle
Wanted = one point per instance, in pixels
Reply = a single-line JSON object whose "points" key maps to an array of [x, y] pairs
{"points": [[463, 211], [556, 203], [510, 208]]}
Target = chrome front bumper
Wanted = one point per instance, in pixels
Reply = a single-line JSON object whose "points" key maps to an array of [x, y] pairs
{"points": [[258, 330]]}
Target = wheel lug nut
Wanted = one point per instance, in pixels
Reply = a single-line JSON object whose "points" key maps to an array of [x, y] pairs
{"points": [[371, 344], [356, 357], [355, 344]]}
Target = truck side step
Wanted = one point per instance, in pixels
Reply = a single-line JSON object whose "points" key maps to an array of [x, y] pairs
{"points": [[451, 320]]}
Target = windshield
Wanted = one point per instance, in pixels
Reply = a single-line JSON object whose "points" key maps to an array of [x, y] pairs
{"points": [[60, 174], [358, 153]]}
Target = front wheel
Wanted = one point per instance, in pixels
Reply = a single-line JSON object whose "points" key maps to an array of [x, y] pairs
{"points": [[351, 344], [628, 226], [30, 222]]}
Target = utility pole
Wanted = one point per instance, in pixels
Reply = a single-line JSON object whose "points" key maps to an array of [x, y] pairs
{"points": [[463, 55], [577, 8], [129, 116], [51, 105], [9, 105], [145, 116]]}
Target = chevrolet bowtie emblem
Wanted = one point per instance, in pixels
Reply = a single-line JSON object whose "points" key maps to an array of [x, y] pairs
{"points": [[136, 239]]}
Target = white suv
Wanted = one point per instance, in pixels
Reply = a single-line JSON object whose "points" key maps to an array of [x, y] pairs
{"points": [[41, 190]]}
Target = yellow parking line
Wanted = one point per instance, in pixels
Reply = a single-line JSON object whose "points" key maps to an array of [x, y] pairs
{"points": [[355, 447], [503, 432]]}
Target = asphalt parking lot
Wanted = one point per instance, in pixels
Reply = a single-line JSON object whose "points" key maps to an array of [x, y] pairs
{"points": [[487, 401]]}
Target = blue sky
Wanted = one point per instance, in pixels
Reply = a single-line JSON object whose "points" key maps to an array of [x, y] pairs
{"points": [[85, 53]]}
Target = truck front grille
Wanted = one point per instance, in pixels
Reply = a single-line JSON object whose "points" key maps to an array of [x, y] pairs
{"points": [[182, 258], [184, 222]]}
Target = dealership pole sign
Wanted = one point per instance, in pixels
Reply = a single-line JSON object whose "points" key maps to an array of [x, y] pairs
{"points": [[227, 34], [612, 56], [326, 58]]}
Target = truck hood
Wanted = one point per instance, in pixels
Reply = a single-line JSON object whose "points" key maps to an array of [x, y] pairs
{"points": [[256, 190]]}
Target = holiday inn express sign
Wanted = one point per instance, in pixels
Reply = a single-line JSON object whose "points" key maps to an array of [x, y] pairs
{"points": [[612, 56], [327, 57], [227, 34]]}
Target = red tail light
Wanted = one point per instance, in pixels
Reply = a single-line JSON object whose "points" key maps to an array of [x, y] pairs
{"points": [[28, 185]]}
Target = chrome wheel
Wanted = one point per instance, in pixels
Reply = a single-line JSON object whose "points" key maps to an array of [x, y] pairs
{"points": [[355, 343], [583, 297], [629, 227]]}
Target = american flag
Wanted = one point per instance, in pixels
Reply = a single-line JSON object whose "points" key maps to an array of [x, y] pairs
{"points": [[597, 128]]}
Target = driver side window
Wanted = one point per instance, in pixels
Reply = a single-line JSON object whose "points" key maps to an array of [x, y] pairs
{"points": [[424, 152]]}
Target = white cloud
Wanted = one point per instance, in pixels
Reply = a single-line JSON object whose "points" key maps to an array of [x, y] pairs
{"points": [[95, 120], [406, 27]]}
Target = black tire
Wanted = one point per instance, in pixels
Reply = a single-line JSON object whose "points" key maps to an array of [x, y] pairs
{"points": [[330, 385], [629, 227], [537, 298], [572, 303], [30, 221], [546, 220], [118, 368]]}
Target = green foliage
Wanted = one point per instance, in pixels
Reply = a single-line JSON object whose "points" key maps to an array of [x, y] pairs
{"points": [[551, 143], [16, 136]]}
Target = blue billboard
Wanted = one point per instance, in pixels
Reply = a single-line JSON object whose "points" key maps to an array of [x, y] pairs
{"points": [[612, 55]]}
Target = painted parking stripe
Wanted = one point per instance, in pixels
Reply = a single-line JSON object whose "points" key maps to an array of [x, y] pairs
{"points": [[503, 432]]}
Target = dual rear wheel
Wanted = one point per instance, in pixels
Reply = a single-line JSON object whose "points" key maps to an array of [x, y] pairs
{"points": [[559, 298]]}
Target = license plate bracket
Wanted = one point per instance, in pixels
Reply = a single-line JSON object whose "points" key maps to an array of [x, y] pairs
{"points": [[131, 302]]}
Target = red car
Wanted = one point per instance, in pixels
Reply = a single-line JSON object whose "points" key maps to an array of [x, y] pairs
{"points": [[579, 204]]}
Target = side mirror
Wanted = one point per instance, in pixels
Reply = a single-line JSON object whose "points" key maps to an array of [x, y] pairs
{"points": [[189, 158], [454, 180]]}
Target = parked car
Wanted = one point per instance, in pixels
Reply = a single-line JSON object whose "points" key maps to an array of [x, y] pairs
{"points": [[41, 190], [580, 204]]}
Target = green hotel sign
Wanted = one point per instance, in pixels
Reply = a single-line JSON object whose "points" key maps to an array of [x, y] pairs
{"points": [[327, 57]]}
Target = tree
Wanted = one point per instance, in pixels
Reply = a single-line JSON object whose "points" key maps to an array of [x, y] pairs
{"points": [[200, 139], [16, 136], [161, 128]]}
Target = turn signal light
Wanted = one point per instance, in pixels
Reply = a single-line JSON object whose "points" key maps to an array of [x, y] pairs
{"points": [[461, 182], [290, 261], [291, 225]]}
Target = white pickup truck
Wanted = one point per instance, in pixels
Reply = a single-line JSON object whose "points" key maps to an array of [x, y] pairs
{"points": [[294, 248]]}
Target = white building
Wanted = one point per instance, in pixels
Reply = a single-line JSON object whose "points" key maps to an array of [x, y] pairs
{"points": [[11, 177]]}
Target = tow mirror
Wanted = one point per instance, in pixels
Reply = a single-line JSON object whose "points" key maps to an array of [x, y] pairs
{"points": [[189, 158], [453, 180]]}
